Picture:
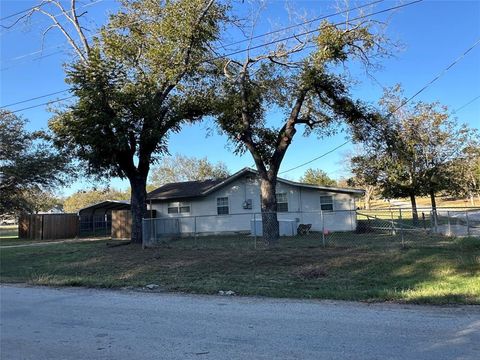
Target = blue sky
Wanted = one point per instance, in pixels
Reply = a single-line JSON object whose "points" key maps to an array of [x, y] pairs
{"points": [[434, 33]]}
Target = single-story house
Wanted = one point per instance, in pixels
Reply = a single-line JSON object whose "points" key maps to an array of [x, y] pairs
{"points": [[232, 205]]}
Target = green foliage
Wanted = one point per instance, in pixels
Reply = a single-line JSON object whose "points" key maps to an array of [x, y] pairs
{"points": [[142, 80], [307, 90], [84, 198], [414, 150], [29, 168], [182, 168], [317, 177]]}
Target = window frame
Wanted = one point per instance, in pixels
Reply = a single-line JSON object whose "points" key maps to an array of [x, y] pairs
{"points": [[223, 206], [327, 204], [178, 205], [283, 202]]}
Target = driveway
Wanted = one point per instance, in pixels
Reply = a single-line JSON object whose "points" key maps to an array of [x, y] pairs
{"points": [[46, 323]]}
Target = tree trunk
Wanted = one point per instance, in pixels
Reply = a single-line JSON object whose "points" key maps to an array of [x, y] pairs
{"points": [[270, 225], [432, 200], [414, 208], [368, 197], [138, 206]]}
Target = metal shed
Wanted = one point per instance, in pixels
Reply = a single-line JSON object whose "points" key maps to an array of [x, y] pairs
{"points": [[96, 219]]}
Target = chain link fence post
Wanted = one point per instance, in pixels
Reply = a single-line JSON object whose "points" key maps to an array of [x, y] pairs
{"points": [[468, 223], [393, 224], [401, 228], [255, 231], [195, 231], [449, 230], [323, 228]]}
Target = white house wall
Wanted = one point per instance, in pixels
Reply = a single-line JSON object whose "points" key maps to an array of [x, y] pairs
{"points": [[303, 207]]}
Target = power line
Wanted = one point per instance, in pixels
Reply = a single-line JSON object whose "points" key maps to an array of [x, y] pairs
{"points": [[315, 159], [35, 98], [10, 29], [402, 105], [18, 13], [465, 105], [323, 17], [295, 36], [42, 104], [271, 42], [19, 57]]}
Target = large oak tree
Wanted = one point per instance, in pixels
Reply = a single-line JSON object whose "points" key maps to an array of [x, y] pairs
{"points": [[135, 83], [304, 83]]}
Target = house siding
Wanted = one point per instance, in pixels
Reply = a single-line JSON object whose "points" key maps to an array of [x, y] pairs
{"points": [[303, 207]]}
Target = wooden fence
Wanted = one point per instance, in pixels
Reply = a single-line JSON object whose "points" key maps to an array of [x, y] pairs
{"points": [[121, 224], [48, 226], [67, 226]]}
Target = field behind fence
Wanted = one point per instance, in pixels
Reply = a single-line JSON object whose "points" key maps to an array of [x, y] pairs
{"points": [[384, 229]]}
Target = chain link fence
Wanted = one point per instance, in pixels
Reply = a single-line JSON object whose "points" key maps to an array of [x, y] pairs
{"points": [[95, 226], [382, 228]]}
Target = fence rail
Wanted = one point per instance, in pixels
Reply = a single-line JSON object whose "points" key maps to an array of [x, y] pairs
{"points": [[383, 228]]}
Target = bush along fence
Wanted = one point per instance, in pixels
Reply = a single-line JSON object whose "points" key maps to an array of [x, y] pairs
{"points": [[344, 228]]}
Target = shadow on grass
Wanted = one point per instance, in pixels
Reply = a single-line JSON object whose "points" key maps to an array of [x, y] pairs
{"points": [[435, 275]]}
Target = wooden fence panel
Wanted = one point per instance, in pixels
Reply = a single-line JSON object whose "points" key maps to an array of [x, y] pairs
{"points": [[60, 226], [48, 226], [121, 224]]}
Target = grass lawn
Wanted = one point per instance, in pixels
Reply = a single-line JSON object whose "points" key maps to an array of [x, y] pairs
{"points": [[448, 273], [8, 232]]}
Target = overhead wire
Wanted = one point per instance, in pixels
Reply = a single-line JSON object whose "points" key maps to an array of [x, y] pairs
{"points": [[264, 45], [430, 83], [64, 44]]}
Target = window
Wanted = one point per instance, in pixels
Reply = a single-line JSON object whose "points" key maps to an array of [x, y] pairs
{"points": [[282, 202], [326, 203], [222, 206], [178, 208]]}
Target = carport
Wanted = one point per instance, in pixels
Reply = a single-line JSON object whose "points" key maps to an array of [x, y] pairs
{"points": [[96, 219]]}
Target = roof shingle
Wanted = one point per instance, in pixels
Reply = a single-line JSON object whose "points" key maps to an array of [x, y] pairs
{"points": [[186, 189]]}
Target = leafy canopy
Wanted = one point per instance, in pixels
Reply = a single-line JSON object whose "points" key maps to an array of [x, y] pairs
{"points": [[183, 168], [28, 165], [317, 177], [142, 79]]}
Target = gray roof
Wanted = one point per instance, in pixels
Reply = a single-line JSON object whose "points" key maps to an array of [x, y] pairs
{"points": [[185, 189], [105, 206], [192, 189]]}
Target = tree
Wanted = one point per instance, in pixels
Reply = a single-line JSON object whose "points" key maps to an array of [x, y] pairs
{"points": [[37, 200], [183, 168], [317, 177], [135, 83], [411, 152], [84, 198], [466, 171], [306, 88], [28, 165]]}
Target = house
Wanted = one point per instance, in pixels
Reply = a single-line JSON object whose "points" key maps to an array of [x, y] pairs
{"points": [[232, 205]]}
